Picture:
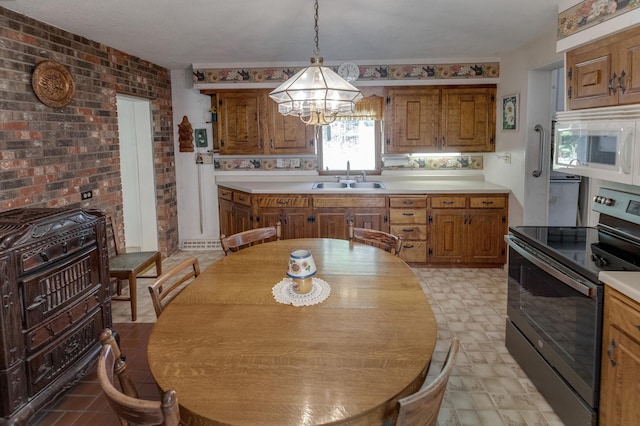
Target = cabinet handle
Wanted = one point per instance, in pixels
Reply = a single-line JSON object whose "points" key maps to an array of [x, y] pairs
{"points": [[487, 203], [271, 143], [221, 142], [408, 230], [44, 256], [443, 141], [620, 86], [283, 202], [407, 214], [39, 300], [611, 87], [388, 141], [407, 202], [408, 246], [465, 219], [65, 247], [470, 218], [447, 203], [310, 142], [610, 350]]}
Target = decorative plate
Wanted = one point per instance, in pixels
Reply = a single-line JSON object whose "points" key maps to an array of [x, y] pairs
{"points": [[53, 84]]}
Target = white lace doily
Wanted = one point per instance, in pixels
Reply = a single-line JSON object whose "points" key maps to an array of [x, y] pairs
{"points": [[283, 293]]}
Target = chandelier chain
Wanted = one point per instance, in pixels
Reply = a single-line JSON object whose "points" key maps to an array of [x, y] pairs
{"points": [[317, 50]]}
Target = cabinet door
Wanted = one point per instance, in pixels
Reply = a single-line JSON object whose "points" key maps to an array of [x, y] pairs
{"points": [[243, 218], [589, 72], [225, 209], [296, 224], [485, 236], [289, 135], [628, 82], [331, 223], [620, 384], [468, 119], [447, 241], [412, 120], [239, 117], [377, 219]]}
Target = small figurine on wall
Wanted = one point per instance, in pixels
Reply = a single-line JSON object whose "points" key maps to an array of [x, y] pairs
{"points": [[185, 135]]}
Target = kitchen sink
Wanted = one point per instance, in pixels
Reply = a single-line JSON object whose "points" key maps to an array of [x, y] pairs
{"points": [[330, 185], [367, 185], [348, 185]]}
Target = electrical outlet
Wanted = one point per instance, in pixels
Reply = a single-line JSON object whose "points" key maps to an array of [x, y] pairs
{"points": [[506, 157], [85, 195]]}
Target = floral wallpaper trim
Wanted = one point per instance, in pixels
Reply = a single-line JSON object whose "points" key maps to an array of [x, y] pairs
{"points": [[464, 162], [264, 164], [457, 162], [367, 73], [591, 12]]}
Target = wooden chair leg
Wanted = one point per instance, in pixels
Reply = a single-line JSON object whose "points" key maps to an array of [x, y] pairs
{"points": [[133, 296]]}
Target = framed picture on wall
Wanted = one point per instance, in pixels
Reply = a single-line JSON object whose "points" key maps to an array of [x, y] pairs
{"points": [[510, 113]]}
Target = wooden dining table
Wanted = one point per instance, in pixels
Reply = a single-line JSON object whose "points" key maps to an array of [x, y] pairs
{"points": [[236, 356]]}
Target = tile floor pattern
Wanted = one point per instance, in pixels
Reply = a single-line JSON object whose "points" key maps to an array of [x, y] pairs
{"points": [[486, 388]]}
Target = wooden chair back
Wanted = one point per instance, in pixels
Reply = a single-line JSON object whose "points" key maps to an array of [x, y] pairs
{"points": [[383, 240], [126, 404], [114, 238], [244, 239], [422, 407], [172, 282]]}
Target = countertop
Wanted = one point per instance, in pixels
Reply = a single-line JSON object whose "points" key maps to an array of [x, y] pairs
{"points": [[626, 282], [393, 186]]}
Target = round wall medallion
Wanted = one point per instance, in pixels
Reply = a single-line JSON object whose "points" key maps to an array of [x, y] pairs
{"points": [[53, 84]]}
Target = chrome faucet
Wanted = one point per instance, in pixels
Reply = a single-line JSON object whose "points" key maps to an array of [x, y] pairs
{"points": [[348, 169], [364, 176]]}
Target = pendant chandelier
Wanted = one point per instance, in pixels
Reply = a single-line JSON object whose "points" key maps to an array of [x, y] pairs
{"points": [[316, 94]]}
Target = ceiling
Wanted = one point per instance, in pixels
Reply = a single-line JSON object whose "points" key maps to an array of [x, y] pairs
{"points": [[176, 34]]}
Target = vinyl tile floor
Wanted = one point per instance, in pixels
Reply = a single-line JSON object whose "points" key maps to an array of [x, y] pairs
{"points": [[486, 388]]}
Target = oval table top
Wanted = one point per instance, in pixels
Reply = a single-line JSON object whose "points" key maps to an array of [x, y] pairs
{"points": [[235, 356]]}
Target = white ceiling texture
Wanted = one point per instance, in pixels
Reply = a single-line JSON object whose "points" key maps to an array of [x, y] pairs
{"points": [[178, 33]]}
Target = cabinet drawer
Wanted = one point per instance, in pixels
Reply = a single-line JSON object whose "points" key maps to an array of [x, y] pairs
{"points": [[283, 202], [408, 202], [486, 202], [408, 216], [414, 251], [624, 314], [448, 202], [347, 201], [410, 232], [242, 198], [225, 194], [51, 362]]}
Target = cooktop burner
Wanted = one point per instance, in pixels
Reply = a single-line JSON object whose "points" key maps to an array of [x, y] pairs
{"points": [[586, 250]]}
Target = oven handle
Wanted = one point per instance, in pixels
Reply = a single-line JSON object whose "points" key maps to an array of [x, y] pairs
{"points": [[574, 284]]}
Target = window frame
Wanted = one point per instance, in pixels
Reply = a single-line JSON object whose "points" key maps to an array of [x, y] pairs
{"points": [[378, 126]]}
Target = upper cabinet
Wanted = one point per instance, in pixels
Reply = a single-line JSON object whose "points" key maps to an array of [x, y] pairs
{"points": [[288, 134], [412, 118], [605, 72], [445, 119], [248, 123], [241, 115]]}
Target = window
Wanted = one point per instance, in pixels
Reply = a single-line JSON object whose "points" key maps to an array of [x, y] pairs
{"points": [[356, 141]]}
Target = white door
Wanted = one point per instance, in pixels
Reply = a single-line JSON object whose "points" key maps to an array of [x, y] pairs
{"points": [[137, 174]]}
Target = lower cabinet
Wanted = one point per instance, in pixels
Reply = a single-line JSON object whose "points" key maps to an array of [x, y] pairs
{"points": [[619, 380], [235, 211], [437, 229], [292, 212], [332, 214], [468, 229]]}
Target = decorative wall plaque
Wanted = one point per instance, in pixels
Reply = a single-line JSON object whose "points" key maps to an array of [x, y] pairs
{"points": [[53, 84]]}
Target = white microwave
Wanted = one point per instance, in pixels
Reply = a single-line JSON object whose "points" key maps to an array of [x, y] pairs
{"points": [[598, 147]]}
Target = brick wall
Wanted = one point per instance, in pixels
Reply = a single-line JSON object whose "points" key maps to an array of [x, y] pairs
{"points": [[49, 155]]}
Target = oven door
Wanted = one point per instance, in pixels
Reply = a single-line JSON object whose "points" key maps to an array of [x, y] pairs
{"points": [[560, 313]]}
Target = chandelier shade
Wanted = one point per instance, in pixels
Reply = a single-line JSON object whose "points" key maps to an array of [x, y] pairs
{"points": [[316, 93]]}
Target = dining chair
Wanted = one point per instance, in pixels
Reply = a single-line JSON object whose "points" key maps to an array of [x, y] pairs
{"points": [[172, 282], [422, 407], [129, 266], [126, 404], [383, 240], [244, 239]]}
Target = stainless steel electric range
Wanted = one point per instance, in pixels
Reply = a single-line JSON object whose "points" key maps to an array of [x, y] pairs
{"points": [[554, 307]]}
